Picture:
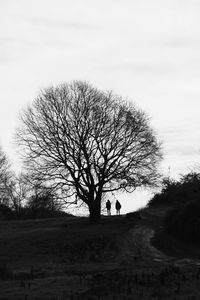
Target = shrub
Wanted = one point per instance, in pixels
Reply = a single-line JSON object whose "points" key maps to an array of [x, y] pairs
{"points": [[180, 192], [184, 222]]}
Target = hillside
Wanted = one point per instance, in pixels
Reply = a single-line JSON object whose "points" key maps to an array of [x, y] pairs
{"points": [[67, 258]]}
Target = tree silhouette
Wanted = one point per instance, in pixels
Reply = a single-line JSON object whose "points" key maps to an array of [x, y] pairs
{"points": [[5, 178], [88, 142]]}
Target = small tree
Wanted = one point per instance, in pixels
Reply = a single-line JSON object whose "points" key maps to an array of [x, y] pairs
{"points": [[18, 189], [41, 196], [5, 179], [88, 142], [42, 200]]}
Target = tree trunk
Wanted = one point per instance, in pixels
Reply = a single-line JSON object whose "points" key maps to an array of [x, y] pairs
{"points": [[95, 211]]}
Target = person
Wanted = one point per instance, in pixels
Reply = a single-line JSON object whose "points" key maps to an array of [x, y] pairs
{"points": [[118, 207], [108, 207]]}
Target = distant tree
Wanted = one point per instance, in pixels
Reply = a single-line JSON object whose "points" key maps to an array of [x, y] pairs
{"points": [[89, 143], [5, 178], [43, 198], [18, 189]]}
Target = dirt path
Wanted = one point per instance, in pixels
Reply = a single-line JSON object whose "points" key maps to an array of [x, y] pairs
{"points": [[141, 247], [141, 238]]}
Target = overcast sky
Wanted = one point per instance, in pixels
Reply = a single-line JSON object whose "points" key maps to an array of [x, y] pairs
{"points": [[146, 51]]}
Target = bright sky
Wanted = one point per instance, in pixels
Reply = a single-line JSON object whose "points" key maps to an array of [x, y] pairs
{"points": [[147, 51]]}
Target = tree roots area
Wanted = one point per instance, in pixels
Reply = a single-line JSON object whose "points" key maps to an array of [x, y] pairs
{"points": [[117, 258]]}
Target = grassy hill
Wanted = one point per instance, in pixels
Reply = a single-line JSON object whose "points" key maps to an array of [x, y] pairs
{"points": [[36, 251], [68, 258]]}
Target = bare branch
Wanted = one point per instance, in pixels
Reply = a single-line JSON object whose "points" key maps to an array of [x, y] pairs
{"points": [[90, 141]]}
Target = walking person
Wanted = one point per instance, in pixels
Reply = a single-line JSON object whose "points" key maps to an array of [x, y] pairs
{"points": [[108, 207], [118, 207]]}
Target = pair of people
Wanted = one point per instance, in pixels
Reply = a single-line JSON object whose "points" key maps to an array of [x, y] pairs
{"points": [[117, 207]]}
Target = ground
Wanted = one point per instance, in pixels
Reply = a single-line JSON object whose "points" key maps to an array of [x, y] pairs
{"points": [[118, 258]]}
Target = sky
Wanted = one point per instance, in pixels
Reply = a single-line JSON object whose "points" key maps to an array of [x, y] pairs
{"points": [[146, 51]]}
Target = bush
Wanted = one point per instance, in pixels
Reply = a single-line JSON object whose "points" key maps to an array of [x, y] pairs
{"points": [[184, 222], [180, 192]]}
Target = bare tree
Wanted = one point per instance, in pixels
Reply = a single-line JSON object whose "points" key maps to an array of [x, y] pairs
{"points": [[88, 142], [41, 196], [5, 178], [43, 199], [18, 189]]}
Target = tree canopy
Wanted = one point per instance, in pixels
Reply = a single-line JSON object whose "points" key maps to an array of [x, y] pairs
{"points": [[88, 142]]}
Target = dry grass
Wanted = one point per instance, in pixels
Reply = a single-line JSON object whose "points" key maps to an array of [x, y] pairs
{"points": [[67, 258]]}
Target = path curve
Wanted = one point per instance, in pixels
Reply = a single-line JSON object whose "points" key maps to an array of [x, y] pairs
{"points": [[140, 238]]}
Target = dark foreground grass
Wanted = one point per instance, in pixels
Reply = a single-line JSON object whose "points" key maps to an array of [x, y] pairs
{"points": [[51, 254], [69, 240], [67, 258]]}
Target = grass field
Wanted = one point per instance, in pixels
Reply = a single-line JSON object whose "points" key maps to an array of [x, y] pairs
{"points": [[67, 258]]}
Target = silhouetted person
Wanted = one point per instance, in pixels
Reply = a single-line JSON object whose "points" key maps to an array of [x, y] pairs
{"points": [[108, 207], [118, 207]]}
